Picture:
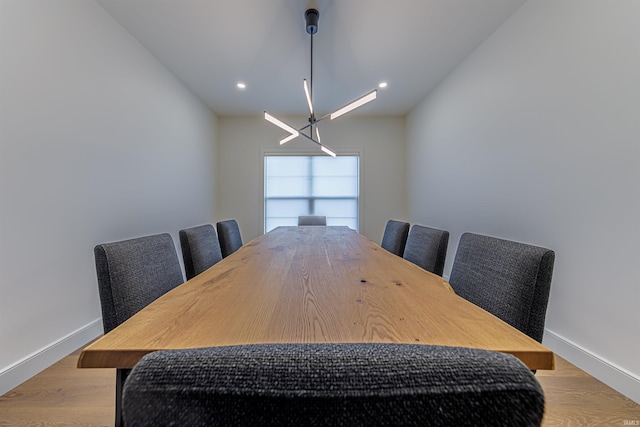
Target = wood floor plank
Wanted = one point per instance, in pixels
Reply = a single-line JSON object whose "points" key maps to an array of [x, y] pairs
{"points": [[64, 395], [574, 398]]}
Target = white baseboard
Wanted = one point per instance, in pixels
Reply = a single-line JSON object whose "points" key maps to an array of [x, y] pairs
{"points": [[614, 376], [36, 362]]}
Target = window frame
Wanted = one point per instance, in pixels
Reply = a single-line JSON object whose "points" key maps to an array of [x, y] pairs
{"points": [[303, 153]]}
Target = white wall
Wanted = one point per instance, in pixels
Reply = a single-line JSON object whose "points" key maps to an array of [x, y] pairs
{"points": [[99, 142], [536, 138], [242, 142]]}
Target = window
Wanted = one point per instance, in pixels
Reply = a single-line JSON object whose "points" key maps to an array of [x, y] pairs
{"points": [[310, 185]]}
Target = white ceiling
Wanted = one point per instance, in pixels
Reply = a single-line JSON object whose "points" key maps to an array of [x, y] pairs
{"points": [[210, 45]]}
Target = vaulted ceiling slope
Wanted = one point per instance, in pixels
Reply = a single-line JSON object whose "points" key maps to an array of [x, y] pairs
{"points": [[210, 45]]}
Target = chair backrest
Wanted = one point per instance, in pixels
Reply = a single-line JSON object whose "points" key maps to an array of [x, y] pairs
{"points": [[427, 248], [200, 249], [312, 220], [395, 235], [509, 279], [133, 273], [229, 236], [332, 384]]}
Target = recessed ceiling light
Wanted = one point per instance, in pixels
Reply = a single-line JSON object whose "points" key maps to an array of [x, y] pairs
{"points": [[382, 85], [241, 85]]}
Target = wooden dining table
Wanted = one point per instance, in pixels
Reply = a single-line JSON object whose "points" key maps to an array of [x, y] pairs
{"points": [[310, 285]]}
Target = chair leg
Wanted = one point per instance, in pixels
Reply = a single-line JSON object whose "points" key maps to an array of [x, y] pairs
{"points": [[121, 377]]}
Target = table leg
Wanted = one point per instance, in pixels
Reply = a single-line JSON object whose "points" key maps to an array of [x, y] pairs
{"points": [[121, 377]]}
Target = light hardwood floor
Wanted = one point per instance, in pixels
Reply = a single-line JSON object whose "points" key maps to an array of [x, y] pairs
{"points": [[63, 395]]}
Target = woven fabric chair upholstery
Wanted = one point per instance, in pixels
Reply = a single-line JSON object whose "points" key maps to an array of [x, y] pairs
{"points": [[509, 279], [427, 248], [133, 273], [394, 238], [200, 249], [332, 385], [229, 236], [312, 220]]}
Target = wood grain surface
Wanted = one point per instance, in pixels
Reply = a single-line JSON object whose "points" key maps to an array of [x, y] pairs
{"points": [[310, 284]]}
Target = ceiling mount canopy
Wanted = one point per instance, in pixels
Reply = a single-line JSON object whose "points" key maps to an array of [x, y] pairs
{"points": [[312, 16]]}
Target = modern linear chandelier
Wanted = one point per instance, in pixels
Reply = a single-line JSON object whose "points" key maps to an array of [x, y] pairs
{"points": [[311, 17]]}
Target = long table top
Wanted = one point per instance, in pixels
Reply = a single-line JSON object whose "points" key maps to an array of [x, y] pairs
{"points": [[310, 285]]}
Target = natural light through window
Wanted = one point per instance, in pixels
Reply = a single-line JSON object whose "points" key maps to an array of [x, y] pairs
{"points": [[310, 185]]}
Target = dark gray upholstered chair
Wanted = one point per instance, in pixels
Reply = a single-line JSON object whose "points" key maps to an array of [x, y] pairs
{"points": [[332, 385], [312, 220], [427, 248], [200, 249], [132, 274], [508, 279], [229, 236], [395, 235]]}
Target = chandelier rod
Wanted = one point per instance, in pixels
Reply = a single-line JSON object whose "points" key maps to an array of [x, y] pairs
{"points": [[312, 117]]}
